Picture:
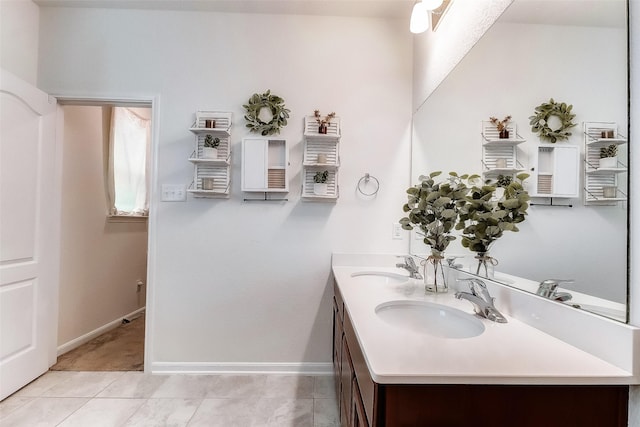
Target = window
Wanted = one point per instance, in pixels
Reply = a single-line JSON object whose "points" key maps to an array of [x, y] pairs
{"points": [[129, 148]]}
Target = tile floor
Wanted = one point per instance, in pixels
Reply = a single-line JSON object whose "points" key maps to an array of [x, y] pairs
{"points": [[95, 399]]}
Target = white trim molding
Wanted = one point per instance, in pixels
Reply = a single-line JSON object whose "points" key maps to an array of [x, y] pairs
{"points": [[241, 368]]}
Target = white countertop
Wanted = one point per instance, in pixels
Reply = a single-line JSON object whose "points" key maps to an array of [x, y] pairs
{"points": [[511, 353]]}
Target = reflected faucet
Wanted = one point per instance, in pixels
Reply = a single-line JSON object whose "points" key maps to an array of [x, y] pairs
{"points": [[548, 289], [481, 299], [410, 265]]}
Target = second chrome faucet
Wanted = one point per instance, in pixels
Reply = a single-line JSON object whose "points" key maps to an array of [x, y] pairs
{"points": [[482, 301]]}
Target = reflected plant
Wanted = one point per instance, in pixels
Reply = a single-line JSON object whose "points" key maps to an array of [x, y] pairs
{"points": [[433, 207], [504, 180], [483, 218], [609, 151]]}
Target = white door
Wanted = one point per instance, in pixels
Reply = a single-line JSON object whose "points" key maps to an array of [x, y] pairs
{"points": [[29, 232]]}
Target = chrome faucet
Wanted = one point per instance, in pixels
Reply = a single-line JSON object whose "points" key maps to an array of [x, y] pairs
{"points": [[549, 289], [481, 299], [410, 265]]}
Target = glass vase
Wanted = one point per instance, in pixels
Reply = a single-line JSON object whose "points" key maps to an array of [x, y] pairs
{"points": [[435, 278], [486, 265]]}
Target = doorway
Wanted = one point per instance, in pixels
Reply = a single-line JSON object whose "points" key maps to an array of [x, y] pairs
{"points": [[103, 263]]}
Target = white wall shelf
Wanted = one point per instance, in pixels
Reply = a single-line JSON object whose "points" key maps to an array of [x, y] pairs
{"points": [[224, 161], [500, 155], [321, 152], [265, 165], [602, 184], [308, 185], [205, 168]]}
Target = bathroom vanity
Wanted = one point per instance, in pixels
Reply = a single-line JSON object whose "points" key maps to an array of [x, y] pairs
{"points": [[508, 375]]}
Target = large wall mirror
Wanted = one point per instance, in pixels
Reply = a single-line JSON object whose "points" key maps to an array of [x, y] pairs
{"points": [[574, 52]]}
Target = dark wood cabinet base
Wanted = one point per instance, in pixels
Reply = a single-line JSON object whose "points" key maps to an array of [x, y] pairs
{"points": [[502, 406]]}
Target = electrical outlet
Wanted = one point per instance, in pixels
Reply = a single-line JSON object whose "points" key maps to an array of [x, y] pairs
{"points": [[174, 193], [396, 234]]}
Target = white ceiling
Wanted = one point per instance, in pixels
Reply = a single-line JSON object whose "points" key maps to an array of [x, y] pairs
{"points": [[608, 13]]}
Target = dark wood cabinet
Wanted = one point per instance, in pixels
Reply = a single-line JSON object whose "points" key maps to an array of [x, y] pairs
{"points": [[364, 403]]}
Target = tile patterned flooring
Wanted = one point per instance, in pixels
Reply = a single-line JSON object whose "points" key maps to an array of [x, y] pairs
{"points": [[95, 399]]}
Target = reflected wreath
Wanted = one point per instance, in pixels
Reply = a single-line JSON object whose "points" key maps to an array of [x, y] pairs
{"points": [[540, 122], [276, 107]]}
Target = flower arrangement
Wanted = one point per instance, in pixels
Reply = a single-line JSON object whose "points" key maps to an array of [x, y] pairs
{"points": [[500, 124], [323, 121], [433, 207]]}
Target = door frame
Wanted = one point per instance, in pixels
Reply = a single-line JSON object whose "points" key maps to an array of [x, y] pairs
{"points": [[154, 101]]}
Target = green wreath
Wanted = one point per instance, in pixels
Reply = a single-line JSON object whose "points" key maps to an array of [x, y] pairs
{"points": [[540, 122], [275, 104]]}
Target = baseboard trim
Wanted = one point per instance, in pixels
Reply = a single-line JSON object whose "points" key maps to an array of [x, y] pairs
{"points": [[77, 342], [241, 368]]}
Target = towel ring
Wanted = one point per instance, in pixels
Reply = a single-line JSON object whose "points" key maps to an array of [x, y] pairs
{"points": [[365, 180]]}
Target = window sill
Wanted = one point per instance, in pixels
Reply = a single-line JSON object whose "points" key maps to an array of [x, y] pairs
{"points": [[127, 218]]}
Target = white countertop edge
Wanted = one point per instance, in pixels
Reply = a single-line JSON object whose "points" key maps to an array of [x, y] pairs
{"points": [[606, 373], [502, 380]]}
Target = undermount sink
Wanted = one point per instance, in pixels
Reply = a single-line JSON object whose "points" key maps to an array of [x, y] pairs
{"points": [[429, 318], [382, 277]]}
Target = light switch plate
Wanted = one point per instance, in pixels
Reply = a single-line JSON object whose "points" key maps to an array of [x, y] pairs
{"points": [[397, 231], [174, 193]]}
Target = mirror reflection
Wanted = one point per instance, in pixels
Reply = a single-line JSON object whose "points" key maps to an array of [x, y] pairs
{"points": [[570, 52]]}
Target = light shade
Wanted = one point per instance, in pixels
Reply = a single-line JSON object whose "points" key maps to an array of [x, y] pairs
{"points": [[432, 4], [419, 18]]}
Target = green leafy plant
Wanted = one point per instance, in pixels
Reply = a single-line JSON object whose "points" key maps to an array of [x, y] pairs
{"points": [[483, 218], [321, 177], [211, 142], [609, 151], [433, 207]]}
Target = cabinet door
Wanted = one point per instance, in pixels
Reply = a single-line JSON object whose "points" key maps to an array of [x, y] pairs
{"points": [[358, 417], [337, 347], [566, 171], [254, 164], [346, 381]]}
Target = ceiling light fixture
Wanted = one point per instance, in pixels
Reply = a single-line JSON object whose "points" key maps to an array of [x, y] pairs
{"points": [[420, 15]]}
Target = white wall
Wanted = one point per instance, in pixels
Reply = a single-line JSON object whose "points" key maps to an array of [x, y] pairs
{"points": [[19, 20], [497, 78], [234, 281], [436, 53], [100, 261]]}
